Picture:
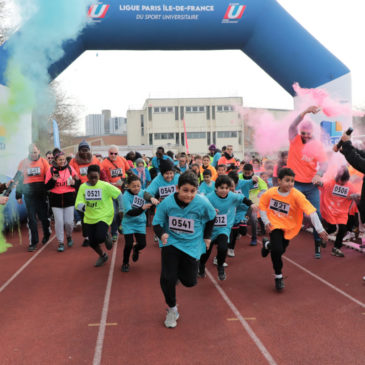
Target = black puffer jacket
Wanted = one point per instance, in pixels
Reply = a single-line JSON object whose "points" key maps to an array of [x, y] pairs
{"points": [[356, 158]]}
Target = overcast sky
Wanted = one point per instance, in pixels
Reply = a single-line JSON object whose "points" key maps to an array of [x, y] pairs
{"points": [[123, 80]]}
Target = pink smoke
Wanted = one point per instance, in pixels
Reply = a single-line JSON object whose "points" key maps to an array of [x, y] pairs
{"points": [[319, 97]]}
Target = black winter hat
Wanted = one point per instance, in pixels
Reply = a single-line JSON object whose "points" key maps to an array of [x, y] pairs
{"points": [[166, 165]]}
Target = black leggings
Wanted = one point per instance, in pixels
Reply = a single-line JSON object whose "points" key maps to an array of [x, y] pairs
{"points": [[278, 247], [176, 264], [331, 228], [141, 244], [97, 234], [239, 228], [222, 245]]}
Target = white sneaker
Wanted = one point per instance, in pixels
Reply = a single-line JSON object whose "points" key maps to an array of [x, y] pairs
{"points": [[349, 236], [155, 238], [363, 278], [171, 317], [230, 252], [215, 262], [78, 225]]}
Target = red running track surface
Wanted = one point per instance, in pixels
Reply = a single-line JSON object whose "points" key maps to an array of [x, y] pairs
{"points": [[52, 308]]}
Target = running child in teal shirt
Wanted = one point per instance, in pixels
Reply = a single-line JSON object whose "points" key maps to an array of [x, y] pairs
{"points": [[183, 223]]}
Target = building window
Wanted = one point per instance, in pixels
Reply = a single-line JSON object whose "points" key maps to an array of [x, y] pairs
{"points": [[181, 113], [214, 138], [182, 139], [163, 136], [208, 138], [227, 134], [177, 138], [176, 113], [149, 114], [142, 125], [224, 108], [163, 109], [208, 112], [240, 138], [151, 139], [195, 109], [196, 135], [213, 113]]}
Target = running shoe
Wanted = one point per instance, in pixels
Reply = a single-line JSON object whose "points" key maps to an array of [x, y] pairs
{"points": [[322, 243], [279, 284], [171, 318], [86, 243], [120, 229], [108, 242], [32, 248], [69, 242], [125, 268], [230, 252], [101, 260], [215, 262], [155, 238], [363, 278], [221, 274], [135, 254], [78, 226], [253, 242], [337, 252], [266, 247], [317, 252], [61, 247], [115, 238]]}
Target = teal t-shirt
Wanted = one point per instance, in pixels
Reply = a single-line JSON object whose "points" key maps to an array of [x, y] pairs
{"points": [[185, 226], [159, 186], [205, 189], [226, 212], [135, 224]]}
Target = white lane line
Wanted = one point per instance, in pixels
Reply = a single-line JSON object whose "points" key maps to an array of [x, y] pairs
{"points": [[348, 296], [243, 322], [104, 314], [34, 256]]}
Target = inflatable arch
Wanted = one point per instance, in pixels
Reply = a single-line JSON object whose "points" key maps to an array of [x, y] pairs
{"points": [[262, 29]]}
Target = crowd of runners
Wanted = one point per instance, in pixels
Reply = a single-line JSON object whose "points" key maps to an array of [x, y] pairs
{"points": [[194, 203]]}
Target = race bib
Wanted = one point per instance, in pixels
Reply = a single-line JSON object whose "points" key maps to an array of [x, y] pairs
{"points": [[83, 171], [180, 224], [165, 191], [341, 191], [116, 173], [137, 202], [93, 194], [220, 220], [279, 206], [34, 171]]}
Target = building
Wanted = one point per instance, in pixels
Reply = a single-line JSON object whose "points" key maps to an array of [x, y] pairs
{"points": [[104, 124], [188, 124]]}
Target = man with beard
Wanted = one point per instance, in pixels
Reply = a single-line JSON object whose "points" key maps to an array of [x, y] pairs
{"points": [[33, 171], [304, 162], [80, 163], [228, 159]]}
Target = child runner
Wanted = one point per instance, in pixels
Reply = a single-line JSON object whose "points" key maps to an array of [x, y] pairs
{"points": [[225, 202], [142, 172], [207, 166], [183, 223], [255, 192], [134, 220], [95, 199], [336, 197], [240, 221], [207, 186], [221, 170], [281, 210]]}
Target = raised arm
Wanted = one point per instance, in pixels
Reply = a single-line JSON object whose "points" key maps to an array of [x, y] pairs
{"points": [[293, 129]]}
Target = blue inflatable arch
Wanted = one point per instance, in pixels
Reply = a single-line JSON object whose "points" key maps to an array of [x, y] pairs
{"points": [[262, 29]]}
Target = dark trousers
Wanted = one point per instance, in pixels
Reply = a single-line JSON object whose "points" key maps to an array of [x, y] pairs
{"points": [[97, 234], [331, 228], [222, 246], [278, 247], [141, 244], [37, 206], [175, 265], [254, 220], [239, 228]]}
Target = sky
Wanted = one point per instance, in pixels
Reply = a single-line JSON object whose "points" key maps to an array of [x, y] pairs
{"points": [[123, 80]]}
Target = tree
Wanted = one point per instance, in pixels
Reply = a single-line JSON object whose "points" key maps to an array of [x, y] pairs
{"points": [[66, 115]]}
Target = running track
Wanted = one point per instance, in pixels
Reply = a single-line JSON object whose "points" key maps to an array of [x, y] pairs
{"points": [[59, 309]]}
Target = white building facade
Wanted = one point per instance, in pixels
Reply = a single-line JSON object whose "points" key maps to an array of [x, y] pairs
{"points": [[188, 124]]}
